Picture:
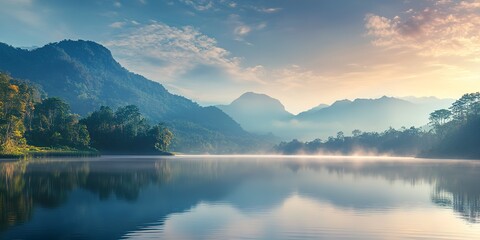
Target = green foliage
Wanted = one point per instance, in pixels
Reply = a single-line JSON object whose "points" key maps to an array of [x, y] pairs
{"points": [[161, 136], [459, 135], [125, 131], [16, 104], [26, 120], [53, 125], [467, 106]]}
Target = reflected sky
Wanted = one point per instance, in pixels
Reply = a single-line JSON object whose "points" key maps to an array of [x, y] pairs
{"points": [[247, 197]]}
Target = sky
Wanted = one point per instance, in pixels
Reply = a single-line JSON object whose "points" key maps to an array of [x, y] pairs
{"points": [[302, 52]]}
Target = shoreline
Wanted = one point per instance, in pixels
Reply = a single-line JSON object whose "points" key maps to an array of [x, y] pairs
{"points": [[72, 153]]}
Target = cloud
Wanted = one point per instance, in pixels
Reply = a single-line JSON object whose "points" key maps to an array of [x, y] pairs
{"points": [[199, 5], [446, 28], [117, 25], [267, 10], [192, 64], [163, 52], [241, 29]]}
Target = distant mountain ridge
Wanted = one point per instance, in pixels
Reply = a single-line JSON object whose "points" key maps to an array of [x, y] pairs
{"points": [[256, 112], [324, 120], [85, 74]]}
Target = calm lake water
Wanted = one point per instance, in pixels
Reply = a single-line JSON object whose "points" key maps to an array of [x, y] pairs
{"points": [[239, 198]]}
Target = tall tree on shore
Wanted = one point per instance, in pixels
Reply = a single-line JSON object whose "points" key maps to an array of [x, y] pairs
{"points": [[16, 103]]}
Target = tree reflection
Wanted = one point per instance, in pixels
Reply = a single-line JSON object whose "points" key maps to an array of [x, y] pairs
{"points": [[24, 185], [460, 192], [15, 206], [455, 183]]}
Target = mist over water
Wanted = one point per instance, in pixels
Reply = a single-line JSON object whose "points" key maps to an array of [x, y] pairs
{"points": [[248, 197]]}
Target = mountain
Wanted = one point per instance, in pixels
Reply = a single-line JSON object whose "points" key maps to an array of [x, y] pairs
{"points": [[318, 107], [257, 112], [85, 74], [369, 115]]}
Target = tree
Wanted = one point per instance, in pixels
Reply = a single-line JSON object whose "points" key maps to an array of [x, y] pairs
{"points": [[467, 105], [356, 133], [439, 117], [340, 136], [163, 137], [16, 99], [53, 125]]}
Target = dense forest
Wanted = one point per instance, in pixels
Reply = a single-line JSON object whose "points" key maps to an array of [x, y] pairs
{"points": [[30, 124], [126, 131], [452, 133]]}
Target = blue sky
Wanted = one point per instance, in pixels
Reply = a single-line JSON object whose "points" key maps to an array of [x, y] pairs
{"points": [[303, 52]]}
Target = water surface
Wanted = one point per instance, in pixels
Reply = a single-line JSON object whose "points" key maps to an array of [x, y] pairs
{"points": [[233, 197]]}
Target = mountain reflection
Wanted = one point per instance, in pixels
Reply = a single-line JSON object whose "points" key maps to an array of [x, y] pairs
{"points": [[156, 188]]}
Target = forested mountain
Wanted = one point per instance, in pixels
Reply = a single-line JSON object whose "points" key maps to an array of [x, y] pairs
{"points": [[257, 112], [86, 76]]}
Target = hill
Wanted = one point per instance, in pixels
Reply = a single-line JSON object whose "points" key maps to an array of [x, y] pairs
{"points": [[85, 75]]}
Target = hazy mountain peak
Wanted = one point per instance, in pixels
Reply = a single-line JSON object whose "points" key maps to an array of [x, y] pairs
{"points": [[319, 106], [256, 96], [341, 102], [259, 101], [256, 112]]}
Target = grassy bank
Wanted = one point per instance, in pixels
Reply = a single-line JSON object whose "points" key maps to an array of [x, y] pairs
{"points": [[34, 152], [38, 152]]}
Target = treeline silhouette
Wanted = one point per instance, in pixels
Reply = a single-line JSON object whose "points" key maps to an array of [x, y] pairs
{"points": [[452, 133], [28, 122]]}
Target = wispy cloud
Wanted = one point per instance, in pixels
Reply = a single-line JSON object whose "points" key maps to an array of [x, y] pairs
{"points": [[199, 5], [266, 10], [117, 24], [164, 52], [446, 28], [241, 29]]}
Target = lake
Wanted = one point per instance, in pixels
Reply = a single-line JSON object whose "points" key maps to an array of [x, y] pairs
{"points": [[239, 197]]}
